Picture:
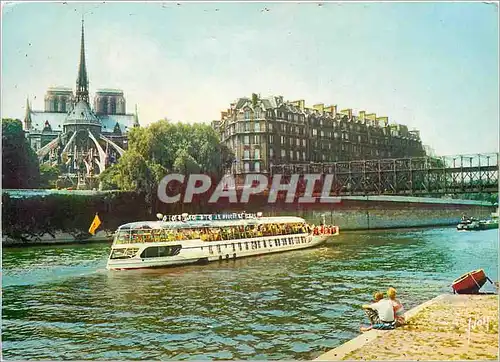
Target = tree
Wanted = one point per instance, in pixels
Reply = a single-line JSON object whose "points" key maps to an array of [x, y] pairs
{"points": [[20, 168], [184, 163], [49, 175]]}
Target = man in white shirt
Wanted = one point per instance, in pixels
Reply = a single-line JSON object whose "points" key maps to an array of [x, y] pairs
{"points": [[381, 315]]}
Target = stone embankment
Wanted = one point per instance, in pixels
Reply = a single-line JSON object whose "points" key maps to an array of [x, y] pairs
{"points": [[448, 327]]}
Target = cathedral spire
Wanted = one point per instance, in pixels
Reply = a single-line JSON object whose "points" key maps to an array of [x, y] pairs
{"points": [[82, 82], [28, 122], [136, 118]]}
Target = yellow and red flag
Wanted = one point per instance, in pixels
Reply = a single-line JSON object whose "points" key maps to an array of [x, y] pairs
{"points": [[95, 224]]}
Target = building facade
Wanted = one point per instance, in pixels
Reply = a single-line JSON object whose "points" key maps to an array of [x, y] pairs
{"points": [[69, 132], [268, 131]]}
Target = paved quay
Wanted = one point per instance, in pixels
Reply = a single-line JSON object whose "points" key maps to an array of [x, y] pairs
{"points": [[448, 327]]}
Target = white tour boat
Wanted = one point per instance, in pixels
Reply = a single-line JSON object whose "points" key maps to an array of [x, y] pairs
{"points": [[185, 239]]}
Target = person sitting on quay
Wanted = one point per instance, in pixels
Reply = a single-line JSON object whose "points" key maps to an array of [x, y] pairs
{"points": [[380, 313], [398, 307]]}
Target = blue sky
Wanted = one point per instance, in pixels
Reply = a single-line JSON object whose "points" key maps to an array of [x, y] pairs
{"points": [[432, 66]]}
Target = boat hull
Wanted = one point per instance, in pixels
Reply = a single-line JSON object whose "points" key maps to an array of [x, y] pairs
{"points": [[193, 252], [469, 283]]}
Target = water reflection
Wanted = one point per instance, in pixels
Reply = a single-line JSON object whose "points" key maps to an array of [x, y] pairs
{"points": [[60, 303]]}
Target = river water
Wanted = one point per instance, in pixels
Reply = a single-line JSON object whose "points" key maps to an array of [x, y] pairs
{"points": [[59, 302]]}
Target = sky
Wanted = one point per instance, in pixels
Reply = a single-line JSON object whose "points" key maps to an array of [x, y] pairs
{"points": [[431, 66]]}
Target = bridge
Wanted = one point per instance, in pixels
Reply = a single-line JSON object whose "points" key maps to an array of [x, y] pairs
{"points": [[414, 176]]}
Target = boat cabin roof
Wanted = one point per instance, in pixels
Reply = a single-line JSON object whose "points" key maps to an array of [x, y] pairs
{"points": [[191, 224]]}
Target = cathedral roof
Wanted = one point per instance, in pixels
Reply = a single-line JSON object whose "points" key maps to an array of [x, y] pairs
{"points": [[82, 114], [56, 120]]}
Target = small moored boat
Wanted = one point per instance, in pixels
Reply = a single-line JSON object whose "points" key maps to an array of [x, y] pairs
{"points": [[470, 283], [474, 224]]}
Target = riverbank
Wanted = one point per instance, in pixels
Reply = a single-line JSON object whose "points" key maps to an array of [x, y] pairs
{"points": [[448, 327], [59, 238]]}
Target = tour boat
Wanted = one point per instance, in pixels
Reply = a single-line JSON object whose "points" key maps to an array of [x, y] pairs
{"points": [[470, 283], [187, 239]]}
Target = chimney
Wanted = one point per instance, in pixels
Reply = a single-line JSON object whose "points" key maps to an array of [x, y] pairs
{"points": [[319, 107], [383, 121], [300, 103], [372, 118], [347, 112], [331, 110]]}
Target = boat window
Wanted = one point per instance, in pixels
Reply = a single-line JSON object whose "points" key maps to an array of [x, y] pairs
{"points": [[290, 241], [218, 249], [246, 245], [239, 245], [161, 251], [265, 246], [122, 237], [234, 247], [210, 249], [283, 241], [124, 253]]}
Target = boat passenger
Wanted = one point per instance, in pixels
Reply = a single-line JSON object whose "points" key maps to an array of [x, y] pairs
{"points": [[398, 307]]}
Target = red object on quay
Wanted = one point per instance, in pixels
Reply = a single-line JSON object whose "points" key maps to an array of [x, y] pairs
{"points": [[470, 283]]}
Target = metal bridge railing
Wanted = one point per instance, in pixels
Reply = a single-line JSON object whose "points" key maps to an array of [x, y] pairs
{"points": [[406, 176]]}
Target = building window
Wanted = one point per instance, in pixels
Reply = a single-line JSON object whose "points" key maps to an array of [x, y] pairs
{"points": [[297, 141], [298, 155], [247, 167], [271, 153], [304, 142], [257, 127], [256, 139], [257, 113], [256, 153], [246, 140], [315, 132], [271, 139], [335, 135], [257, 166], [247, 115], [247, 126], [290, 140], [322, 134], [246, 154], [282, 153], [282, 140], [291, 155], [304, 156]]}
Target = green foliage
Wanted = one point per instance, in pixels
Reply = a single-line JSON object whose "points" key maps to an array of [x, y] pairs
{"points": [[184, 163], [49, 175], [166, 147], [26, 219], [20, 167], [481, 196]]}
